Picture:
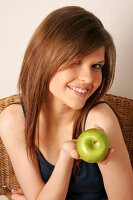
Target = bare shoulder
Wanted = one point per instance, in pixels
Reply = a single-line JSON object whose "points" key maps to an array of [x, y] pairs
{"points": [[103, 115], [13, 109], [11, 120]]}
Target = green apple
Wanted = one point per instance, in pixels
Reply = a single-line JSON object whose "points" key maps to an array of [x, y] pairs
{"points": [[92, 145]]}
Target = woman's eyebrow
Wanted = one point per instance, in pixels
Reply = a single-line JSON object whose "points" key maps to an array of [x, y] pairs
{"points": [[101, 62]]}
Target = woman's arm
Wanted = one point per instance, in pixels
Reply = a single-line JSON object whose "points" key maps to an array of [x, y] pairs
{"points": [[117, 174], [12, 134]]}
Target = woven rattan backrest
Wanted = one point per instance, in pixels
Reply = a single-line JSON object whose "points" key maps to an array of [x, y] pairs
{"points": [[7, 175], [123, 108]]}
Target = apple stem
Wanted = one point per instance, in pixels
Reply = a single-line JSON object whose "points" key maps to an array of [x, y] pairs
{"points": [[93, 143]]}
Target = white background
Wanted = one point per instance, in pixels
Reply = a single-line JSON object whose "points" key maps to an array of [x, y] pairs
{"points": [[19, 18]]}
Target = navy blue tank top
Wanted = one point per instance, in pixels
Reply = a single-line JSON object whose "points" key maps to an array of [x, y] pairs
{"points": [[86, 185]]}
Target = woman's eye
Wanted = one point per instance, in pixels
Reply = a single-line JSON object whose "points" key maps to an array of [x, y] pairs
{"points": [[97, 66]]}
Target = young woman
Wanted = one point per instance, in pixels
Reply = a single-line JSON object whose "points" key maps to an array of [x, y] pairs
{"points": [[67, 68]]}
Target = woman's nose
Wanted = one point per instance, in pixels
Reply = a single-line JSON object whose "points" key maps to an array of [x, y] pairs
{"points": [[86, 76]]}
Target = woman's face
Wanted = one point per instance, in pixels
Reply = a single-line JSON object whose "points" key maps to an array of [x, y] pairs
{"points": [[74, 85]]}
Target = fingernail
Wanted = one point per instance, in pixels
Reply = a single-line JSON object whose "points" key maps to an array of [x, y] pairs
{"points": [[96, 126]]}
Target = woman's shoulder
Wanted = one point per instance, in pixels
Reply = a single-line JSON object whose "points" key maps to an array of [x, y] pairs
{"points": [[11, 119], [102, 107], [102, 114]]}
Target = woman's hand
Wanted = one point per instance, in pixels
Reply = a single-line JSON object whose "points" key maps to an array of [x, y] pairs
{"points": [[69, 149], [17, 194]]}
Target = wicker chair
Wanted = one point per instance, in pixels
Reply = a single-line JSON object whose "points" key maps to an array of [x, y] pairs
{"points": [[122, 106]]}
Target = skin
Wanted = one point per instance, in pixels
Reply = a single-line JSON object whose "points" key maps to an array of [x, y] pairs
{"points": [[62, 106]]}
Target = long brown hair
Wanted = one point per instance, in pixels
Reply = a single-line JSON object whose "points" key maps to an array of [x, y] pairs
{"points": [[64, 35]]}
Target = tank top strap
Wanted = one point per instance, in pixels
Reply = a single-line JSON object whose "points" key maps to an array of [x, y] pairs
{"points": [[22, 104]]}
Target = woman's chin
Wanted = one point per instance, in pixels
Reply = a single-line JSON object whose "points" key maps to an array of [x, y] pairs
{"points": [[76, 106]]}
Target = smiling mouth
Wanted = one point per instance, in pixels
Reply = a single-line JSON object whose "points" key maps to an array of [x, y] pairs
{"points": [[79, 90]]}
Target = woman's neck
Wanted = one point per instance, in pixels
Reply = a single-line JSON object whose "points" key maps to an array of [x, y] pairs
{"points": [[58, 114]]}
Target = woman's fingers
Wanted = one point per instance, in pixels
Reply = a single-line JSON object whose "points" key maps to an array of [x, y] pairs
{"points": [[98, 127], [17, 194], [18, 197], [75, 154], [17, 191], [70, 148]]}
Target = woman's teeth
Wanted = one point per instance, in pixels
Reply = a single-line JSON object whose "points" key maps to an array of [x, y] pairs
{"points": [[82, 91]]}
